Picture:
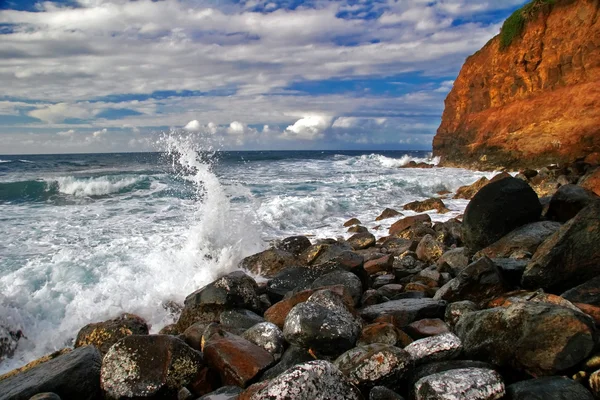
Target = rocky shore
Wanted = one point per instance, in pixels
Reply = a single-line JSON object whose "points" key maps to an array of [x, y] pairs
{"points": [[503, 303]]}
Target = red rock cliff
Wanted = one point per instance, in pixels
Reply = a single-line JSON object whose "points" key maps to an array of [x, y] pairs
{"points": [[532, 103]]}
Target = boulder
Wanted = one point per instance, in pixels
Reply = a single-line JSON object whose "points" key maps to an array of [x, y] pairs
{"points": [[391, 290], [383, 332], [455, 311], [314, 380], [525, 238], [104, 334], [570, 256], [294, 278], [381, 264], [467, 192], [511, 270], [193, 335], [361, 241], [568, 201], [149, 367], [435, 348], [45, 396], [235, 289], [548, 388], [591, 181], [449, 233], [497, 209], [594, 383], [269, 262], [426, 205], [537, 338], [466, 383], [240, 318], [347, 279], [358, 229], [223, 393], [426, 327], [405, 311], [429, 249], [292, 356], [388, 213], [405, 223], [383, 393], [382, 280], [422, 370], [294, 245], [478, 282], [453, 261], [588, 292], [203, 313], [236, 360], [323, 323], [352, 221], [9, 340], [74, 375], [267, 336], [374, 364]]}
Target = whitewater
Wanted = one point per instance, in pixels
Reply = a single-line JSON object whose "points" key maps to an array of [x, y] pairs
{"points": [[87, 237]]}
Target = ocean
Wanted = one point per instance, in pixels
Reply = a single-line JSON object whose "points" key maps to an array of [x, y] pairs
{"points": [[85, 237]]}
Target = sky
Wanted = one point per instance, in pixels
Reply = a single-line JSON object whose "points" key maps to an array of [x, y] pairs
{"points": [[84, 76]]}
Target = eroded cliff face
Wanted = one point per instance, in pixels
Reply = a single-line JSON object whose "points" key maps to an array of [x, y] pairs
{"points": [[533, 103]]}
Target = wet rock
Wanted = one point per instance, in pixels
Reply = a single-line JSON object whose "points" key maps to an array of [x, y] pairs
{"points": [[397, 246], [591, 181], [388, 213], [405, 311], [449, 233], [455, 311], [381, 264], [391, 290], [237, 360], [568, 201], [204, 313], [193, 335], [372, 297], [383, 332], [429, 249], [570, 256], [426, 327], [235, 289], [548, 388], [322, 323], [294, 355], [291, 278], [149, 366], [170, 329], [453, 261], [347, 279], [294, 245], [9, 340], [240, 318], [511, 270], [269, 262], [374, 364], [537, 338], [309, 255], [417, 232], [588, 292], [358, 229], [408, 222], [352, 221], [467, 192], [382, 280], [383, 393], [525, 238], [426, 205], [497, 209], [435, 348], [361, 241], [423, 370], [72, 375], [314, 380], [466, 383], [477, 282], [224, 393], [267, 336], [45, 396], [104, 334], [521, 296]]}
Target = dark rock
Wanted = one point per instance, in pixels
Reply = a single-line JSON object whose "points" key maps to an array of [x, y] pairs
{"points": [[193, 335], [269, 262], [526, 238], [449, 233], [374, 364], [149, 367], [372, 297], [45, 396], [267, 336], [185, 394], [224, 393], [9, 340], [511, 270], [352, 221], [322, 323], [453, 261], [406, 310], [397, 246], [570, 256], [104, 334], [435, 348], [383, 393], [382, 280], [426, 205], [170, 329], [429, 249], [361, 241], [588, 292], [537, 338], [314, 380], [391, 290], [497, 209], [237, 360], [294, 355], [467, 192], [349, 280], [466, 383], [594, 382], [478, 282], [291, 278], [548, 388], [72, 376], [455, 311], [426, 327], [388, 213], [382, 332], [423, 370], [294, 245], [235, 289], [381, 264], [205, 313], [408, 222], [358, 229], [568, 201], [240, 318]]}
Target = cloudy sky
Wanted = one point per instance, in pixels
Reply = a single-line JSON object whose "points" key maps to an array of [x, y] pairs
{"points": [[110, 75]]}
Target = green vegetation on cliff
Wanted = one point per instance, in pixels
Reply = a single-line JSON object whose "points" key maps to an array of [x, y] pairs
{"points": [[514, 25]]}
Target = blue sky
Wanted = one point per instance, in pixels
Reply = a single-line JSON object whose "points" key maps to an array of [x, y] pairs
{"points": [[111, 75]]}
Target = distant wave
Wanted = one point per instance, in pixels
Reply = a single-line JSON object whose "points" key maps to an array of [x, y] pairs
{"points": [[94, 186], [379, 160], [5, 161], [26, 161]]}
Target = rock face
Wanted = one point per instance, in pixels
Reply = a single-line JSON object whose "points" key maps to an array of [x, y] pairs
{"points": [[535, 101], [466, 383], [104, 334]]}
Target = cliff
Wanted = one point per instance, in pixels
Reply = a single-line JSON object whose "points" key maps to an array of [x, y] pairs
{"points": [[531, 95]]}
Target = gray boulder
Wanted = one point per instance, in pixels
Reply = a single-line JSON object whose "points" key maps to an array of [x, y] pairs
{"points": [[464, 384]]}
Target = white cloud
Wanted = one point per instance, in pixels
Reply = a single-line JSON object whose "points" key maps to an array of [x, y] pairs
{"points": [[100, 133], [61, 111], [308, 128], [68, 133], [193, 126], [236, 128]]}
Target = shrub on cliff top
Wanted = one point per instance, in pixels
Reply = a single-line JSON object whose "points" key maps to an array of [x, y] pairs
{"points": [[513, 26]]}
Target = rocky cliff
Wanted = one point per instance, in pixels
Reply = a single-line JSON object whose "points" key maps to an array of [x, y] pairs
{"points": [[531, 95]]}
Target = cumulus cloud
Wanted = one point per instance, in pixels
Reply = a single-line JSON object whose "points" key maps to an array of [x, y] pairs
{"points": [[68, 133], [308, 128], [61, 111], [193, 126]]}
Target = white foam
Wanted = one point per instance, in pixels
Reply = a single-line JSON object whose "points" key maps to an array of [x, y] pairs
{"points": [[94, 186], [5, 161]]}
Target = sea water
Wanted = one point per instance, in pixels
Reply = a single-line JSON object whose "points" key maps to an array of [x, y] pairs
{"points": [[85, 237]]}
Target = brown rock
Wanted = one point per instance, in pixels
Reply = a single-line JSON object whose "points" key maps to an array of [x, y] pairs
{"points": [[350, 222], [104, 334], [533, 102], [408, 222], [382, 264], [383, 332], [388, 213], [526, 238], [426, 327], [591, 181], [361, 241], [237, 360], [467, 192], [429, 249], [358, 229], [269, 262], [426, 205]]}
